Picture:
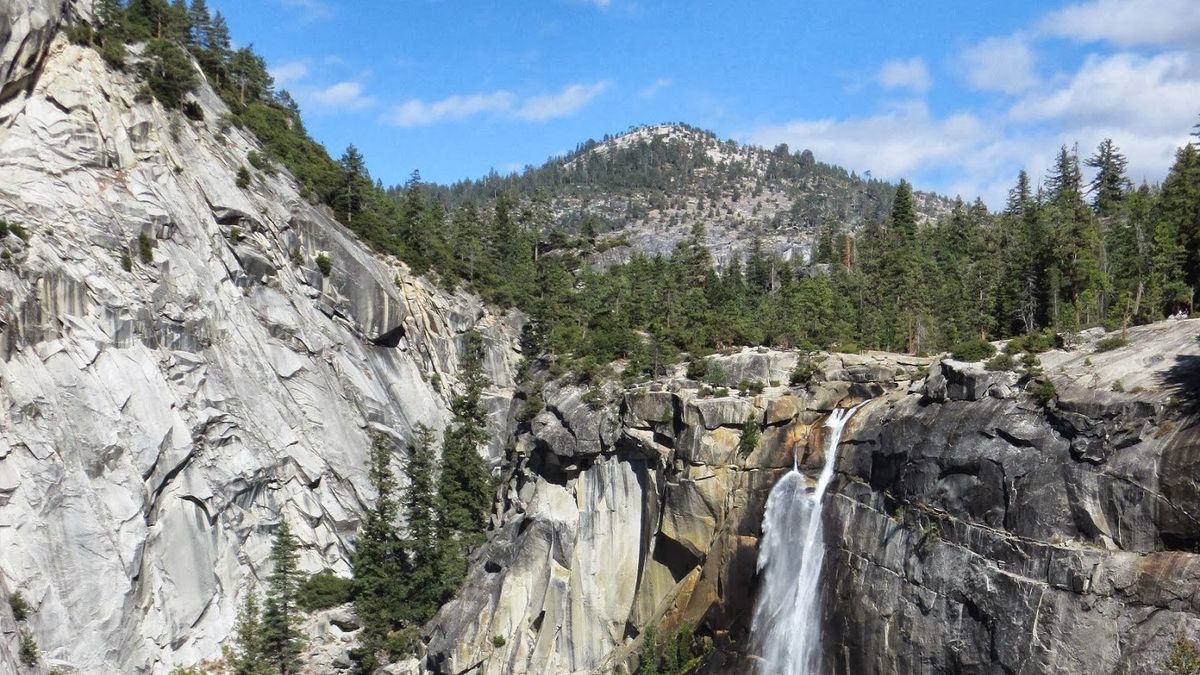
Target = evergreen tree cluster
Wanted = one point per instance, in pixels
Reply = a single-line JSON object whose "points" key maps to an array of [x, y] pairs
{"points": [[401, 579]]}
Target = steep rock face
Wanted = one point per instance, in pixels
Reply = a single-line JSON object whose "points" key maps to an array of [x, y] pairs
{"points": [[974, 530], [176, 375], [643, 509], [26, 29]]}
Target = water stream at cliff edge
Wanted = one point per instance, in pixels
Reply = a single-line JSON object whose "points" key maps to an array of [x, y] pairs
{"points": [[787, 619]]}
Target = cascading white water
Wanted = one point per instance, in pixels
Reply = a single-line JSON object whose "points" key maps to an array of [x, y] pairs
{"points": [[786, 631]]}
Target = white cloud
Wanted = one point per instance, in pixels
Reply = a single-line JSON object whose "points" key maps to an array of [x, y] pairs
{"points": [[414, 112], [892, 144], [1000, 64], [569, 100], [288, 73], [654, 87], [1127, 22], [1148, 94], [904, 74], [345, 95], [562, 104]]}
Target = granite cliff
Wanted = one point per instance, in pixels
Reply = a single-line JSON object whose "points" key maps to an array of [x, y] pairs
{"points": [[176, 373]]}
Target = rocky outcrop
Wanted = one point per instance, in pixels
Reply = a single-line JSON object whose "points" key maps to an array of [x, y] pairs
{"points": [[972, 526], [640, 509], [976, 530], [176, 374]]}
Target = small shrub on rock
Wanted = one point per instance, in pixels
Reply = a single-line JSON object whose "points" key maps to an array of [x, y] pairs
{"points": [[243, 177], [1001, 362], [1044, 391], [804, 372], [324, 590], [750, 435], [594, 397], [1110, 343], [324, 264], [145, 248], [20, 608], [1184, 658], [977, 349], [30, 654]]}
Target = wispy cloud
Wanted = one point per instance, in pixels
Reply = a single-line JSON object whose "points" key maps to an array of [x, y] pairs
{"points": [[904, 74], [1127, 22], [289, 73], [348, 95], [892, 144], [654, 87], [1005, 64], [415, 112], [560, 104], [568, 101]]}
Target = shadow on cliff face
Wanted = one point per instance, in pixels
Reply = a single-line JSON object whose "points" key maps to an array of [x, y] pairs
{"points": [[1183, 381], [1179, 466]]}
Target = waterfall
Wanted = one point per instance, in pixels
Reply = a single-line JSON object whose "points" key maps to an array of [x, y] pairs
{"points": [[786, 631]]}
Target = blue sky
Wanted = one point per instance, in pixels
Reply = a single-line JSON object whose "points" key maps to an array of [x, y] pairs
{"points": [[955, 95]]}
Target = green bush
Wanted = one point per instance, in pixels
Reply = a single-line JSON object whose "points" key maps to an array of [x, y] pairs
{"points": [[126, 261], [80, 34], [750, 434], [168, 71], [18, 231], [243, 177], [30, 654], [1002, 361], [113, 53], [1044, 391], [20, 608], [1184, 658], [260, 162], [324, 264], [193, 111], [1034, 343], [977, 349], [3, 228], [748, 385], [594, 397], [715, 375], [1110, 343], [145, 248], [498, 641], [1118, 386], [324, 590], [697, 369]]}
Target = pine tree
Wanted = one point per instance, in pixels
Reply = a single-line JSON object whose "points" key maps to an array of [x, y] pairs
{"points": [[420, 510], [380, 563], [281, 634], [1110, 185], [464, 491], [355, 183], [249, 657], [1076, 277], [168, 72], [202, 23], [903, 273]]}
